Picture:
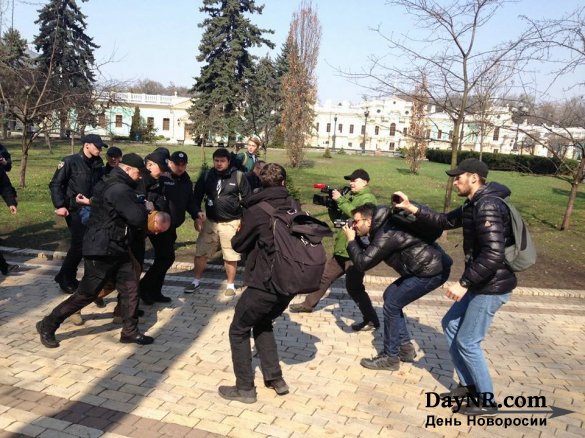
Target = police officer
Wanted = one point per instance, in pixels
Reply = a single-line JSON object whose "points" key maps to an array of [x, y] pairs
{"points": [[76, 174], [116, 208]]}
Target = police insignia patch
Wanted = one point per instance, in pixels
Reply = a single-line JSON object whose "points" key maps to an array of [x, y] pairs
{"points": [[60, 165]]}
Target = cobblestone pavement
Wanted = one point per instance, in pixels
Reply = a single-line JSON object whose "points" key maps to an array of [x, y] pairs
{"points": [[94, 386]]}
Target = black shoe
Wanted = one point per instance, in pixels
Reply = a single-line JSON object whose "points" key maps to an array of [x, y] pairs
{"points": [[459, 391], [488, 411], [47, 336], [407, 352], [139, 339], [161, 299], [5, 269], [233, 393], [147, 300], [279, 385], [99, 302], [381, 362], [140, 313], [364, 326]]}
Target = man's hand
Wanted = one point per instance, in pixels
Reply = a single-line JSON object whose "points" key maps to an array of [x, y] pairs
{"points": [[349, 232], [82, 199], [335, 194], [149, 206], [456, 292], [12, 209], [63, 212], [202, 216], [400, 200]]}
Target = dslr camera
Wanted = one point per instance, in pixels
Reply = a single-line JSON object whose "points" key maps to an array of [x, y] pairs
{"points": [[340, 223], [327, 200]]}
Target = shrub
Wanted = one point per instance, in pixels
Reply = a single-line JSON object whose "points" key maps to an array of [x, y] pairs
{"points": [[327, 153]]}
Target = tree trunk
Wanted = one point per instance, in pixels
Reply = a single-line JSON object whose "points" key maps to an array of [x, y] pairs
{"points": [[48, 142], [24, 160], [573, 195]]}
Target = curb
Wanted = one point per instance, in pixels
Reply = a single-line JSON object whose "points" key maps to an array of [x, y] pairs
{"points": [[369, 279]]}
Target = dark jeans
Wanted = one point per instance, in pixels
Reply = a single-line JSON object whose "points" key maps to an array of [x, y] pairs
{"points": [[68, 272], [97, 272], [164, 257], [354, 283], [254, 313]]}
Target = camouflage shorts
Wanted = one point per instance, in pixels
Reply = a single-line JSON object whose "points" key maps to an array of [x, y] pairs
{"points": [[216, 235]]}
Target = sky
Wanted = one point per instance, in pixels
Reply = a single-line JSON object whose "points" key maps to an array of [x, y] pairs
{"points": [[158, 40]]}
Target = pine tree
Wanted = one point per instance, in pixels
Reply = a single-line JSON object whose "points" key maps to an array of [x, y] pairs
{"points": [[136, 126], [220, 88], [66, 54]]}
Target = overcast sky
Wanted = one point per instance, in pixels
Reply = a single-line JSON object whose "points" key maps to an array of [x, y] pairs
{"points": [[153, 39]]}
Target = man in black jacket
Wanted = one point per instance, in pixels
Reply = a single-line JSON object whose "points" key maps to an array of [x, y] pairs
{"points": [[259, 305], [223, 187], [115, 209], [422, 267], [76, 174], [9, 195], [486, 283]]}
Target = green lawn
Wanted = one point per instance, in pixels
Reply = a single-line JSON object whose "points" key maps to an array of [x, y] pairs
{"points": [[542, 200]]}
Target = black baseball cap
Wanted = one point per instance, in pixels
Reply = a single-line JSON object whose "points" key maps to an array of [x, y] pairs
{"points": [[470, 165], [358, 173], [160, 159], [114, 151], [95, 139], [133, 160], [179, 157]]}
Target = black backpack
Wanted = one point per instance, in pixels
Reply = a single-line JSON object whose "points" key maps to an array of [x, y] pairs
{"points": [[299, 258]]}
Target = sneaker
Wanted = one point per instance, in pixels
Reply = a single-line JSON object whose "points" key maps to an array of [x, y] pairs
{"points": [[99, 302], [233, 393], [299, 308], [407, 353], [364, 326], [279, 385], [382, 362], [47, 336], [459, 391], [230, 292], [472, 410], [189, 289], [76, 319], [5, 269]]}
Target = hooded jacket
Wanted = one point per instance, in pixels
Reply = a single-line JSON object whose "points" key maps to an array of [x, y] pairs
{"points": [[255, 236], [487, 231], [406, 254]]}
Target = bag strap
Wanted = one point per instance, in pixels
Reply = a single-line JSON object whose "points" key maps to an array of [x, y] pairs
{"points": [[267, 208]]}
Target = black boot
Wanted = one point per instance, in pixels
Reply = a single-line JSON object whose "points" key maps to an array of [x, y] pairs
{"points": [[47, 335]]}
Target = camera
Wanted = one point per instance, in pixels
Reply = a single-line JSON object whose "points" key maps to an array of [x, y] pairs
{"points": [[340, 223], [327, 200]]}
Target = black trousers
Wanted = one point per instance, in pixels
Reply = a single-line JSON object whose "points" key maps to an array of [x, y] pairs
{"points": [[68, 272], [164, 257], [354, 283], [97, 272], [254, 314]]}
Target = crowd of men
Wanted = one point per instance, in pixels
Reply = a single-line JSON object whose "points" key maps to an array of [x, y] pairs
{"points": [[111, 210]]}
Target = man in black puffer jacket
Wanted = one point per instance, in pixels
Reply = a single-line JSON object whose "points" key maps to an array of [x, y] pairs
{"points": [[259, 305], [115, 209], [485, 285], [422, 267]]}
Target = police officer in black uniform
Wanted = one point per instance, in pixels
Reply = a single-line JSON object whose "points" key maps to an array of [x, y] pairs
{"points": [[115, 209], [76, 174]]}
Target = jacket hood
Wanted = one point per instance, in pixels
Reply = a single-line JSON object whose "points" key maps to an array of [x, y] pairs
{"points": [[266, 194], [492, 189], [120, 175]]}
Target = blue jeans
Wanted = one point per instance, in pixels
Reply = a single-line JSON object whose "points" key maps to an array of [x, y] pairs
{"points": [[465, 325], [398, 295]]}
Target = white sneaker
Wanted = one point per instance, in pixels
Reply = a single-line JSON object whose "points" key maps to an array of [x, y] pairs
{"points": [[230, 292], [189, 289]]}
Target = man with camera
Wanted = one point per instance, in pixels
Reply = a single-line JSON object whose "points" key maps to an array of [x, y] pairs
{"points": [[422, 266], [340, 263]]}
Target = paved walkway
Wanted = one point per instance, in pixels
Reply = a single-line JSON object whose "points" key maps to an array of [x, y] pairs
{"points": [[94, 386]]}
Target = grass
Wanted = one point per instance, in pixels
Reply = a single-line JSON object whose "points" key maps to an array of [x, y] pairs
{"points": [[541, 199]]}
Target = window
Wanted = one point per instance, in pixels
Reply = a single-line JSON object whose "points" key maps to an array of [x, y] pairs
{"points": [[340, 128], [428, 133], [377, 130], [150, 122], [451, 134], [101, 120], [392, 146], [496, 151], [363, 129], [166, 124], [350, 144], [496, 133], [392, 129], [406, 112], [317, 127], [328, 127], [440, 135], [118, 120], [405, 132], [351, 129]]}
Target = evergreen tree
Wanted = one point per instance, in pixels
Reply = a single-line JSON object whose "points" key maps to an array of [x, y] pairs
{"points": [[66, 54], [136, 126], [220, 88]]}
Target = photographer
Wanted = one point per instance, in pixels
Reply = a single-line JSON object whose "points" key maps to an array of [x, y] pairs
{"points": [[340, 263], [422, 267]]}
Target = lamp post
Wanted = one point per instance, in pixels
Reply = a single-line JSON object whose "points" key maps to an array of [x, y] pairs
{"points": [[334, 130], [366, 114]]}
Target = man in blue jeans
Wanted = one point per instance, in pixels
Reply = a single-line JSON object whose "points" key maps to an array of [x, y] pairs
{"points": [[486, 283], [422, 266]]}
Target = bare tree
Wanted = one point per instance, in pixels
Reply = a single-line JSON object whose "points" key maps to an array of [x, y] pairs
{"points": [[417, 141], [448, 55], [299, 89]]}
